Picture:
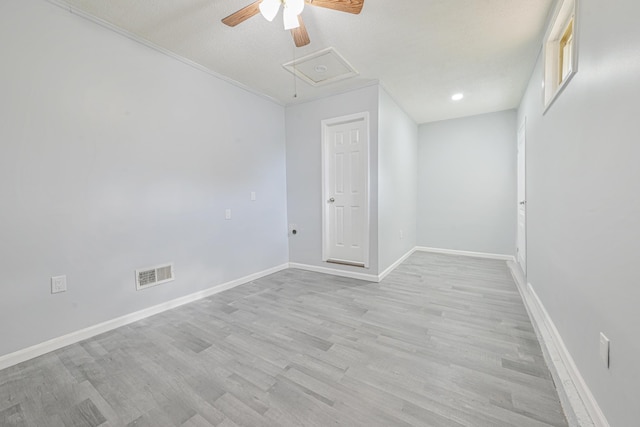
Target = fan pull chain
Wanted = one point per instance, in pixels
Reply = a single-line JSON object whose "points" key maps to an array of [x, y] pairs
{"points": [[295, 80]]}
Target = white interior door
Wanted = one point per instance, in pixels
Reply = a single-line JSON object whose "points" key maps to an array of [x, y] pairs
{"points": [[521, 249], [345, 143]]}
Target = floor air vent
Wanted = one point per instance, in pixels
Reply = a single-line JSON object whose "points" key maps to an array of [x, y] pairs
{"points": [[152, 276]]}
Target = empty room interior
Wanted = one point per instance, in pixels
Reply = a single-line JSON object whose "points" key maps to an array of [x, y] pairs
{"points": [[319, 213]]}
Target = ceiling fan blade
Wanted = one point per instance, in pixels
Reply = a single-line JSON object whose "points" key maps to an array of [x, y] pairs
{"points": [[243, 14], [350, 6], [300, 35]]}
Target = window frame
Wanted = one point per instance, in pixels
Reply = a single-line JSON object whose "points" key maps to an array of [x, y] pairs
{"points": [[565, 41], [562, 31]]}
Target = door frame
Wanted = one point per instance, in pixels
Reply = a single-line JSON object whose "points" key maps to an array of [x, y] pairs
{"points": [[325, 128], [521, 198]]}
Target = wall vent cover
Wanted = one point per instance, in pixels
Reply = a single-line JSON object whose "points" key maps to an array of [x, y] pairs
{"points": [[152, 276]]}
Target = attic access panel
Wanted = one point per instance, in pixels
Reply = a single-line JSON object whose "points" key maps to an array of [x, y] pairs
{"points": [[321, 68]]}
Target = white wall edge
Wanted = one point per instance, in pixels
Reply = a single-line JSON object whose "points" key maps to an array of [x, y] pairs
{"points": [[501, 257], [579, 404], [358, 86], [28, 353], [105, 24], [395, 265], [335, 272]]}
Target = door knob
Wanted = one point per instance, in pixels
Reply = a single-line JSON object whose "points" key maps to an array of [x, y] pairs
{"points": [[331, 200]]}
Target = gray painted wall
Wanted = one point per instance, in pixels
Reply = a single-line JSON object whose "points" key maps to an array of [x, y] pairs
{"points": [[116, 157], [583, 186], [397, 181], [467, 183], [304, 172]]}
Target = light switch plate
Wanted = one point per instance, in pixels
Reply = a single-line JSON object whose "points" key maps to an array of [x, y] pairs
{"points": [[253, 196], [227, 214], [58, 284], [604, 349]]}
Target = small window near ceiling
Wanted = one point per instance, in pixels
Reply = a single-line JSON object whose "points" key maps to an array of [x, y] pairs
{"points": [[560, 51], [565, 52]]}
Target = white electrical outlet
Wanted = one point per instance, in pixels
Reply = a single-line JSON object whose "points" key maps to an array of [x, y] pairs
{"points": [[227, 214], [604, 349], [58, 284], [253, 196]]}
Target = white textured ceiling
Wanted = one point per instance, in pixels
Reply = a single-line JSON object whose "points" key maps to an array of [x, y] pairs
{"points": [[421, 51]]}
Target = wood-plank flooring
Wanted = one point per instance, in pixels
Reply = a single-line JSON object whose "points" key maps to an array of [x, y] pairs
{"points": [[442, 341]]}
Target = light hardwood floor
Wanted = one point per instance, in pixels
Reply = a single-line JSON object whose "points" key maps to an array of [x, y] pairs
{"points": [[442, 341]]}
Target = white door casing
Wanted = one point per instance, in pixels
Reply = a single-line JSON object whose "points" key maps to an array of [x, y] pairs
{"points": [[345, 190], [521, 243]]}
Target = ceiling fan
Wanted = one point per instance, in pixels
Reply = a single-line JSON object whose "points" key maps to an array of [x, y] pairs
{"points": [[291, 14]]}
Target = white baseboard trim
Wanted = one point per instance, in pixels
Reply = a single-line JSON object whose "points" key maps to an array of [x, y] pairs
{"points": [[580, 407], [501, 257], [23, 355], [335, 272], [385, 273], [395, 265]]}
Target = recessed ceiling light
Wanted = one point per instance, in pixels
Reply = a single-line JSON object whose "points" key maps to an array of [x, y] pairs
{"points": [[457, 96], [320, 68]]}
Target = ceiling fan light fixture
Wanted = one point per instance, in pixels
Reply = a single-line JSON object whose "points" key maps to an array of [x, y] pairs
{"points": [[290, 19], [269, 9], [292, 10], [296, 6]]}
